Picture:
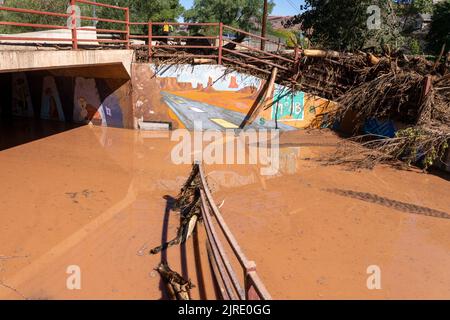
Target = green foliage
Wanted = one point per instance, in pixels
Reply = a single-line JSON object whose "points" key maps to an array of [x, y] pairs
{"points": [[293, 38], [140, 10], [440, 27], [243, 14], [342, 25], [417, 145], [414, 47], [59, 6], [422, 6]]}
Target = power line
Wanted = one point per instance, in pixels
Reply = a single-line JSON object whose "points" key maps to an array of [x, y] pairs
{"points": [[293, 5]]}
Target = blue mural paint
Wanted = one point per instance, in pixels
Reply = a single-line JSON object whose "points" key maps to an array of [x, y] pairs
{"points": [[288, 106], [112, 112]]}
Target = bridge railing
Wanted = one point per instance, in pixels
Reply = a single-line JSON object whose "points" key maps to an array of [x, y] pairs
{"points": [[253, 288], [216, 44], [73, 18], [196, 46]]}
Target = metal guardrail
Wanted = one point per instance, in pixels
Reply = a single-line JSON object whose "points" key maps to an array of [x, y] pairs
{"points": [[73, 23], [219, 50], [253, 288]]}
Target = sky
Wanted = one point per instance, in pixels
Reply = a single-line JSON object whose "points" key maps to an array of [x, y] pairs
{"points": [[282, 7]]}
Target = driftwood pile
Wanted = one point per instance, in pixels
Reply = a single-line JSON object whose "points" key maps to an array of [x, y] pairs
{"points": [[414, 93], [188, 204], [178, 288]]}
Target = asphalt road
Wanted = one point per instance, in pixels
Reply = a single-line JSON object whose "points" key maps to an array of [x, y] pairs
{"points": [[188, 111]]}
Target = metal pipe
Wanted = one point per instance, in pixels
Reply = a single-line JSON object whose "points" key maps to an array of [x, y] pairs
{"points": [[73, 25], [220, 43]]}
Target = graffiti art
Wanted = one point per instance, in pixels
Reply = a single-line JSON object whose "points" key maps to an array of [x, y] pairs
{"points": [[51, 107], [22, 105]]}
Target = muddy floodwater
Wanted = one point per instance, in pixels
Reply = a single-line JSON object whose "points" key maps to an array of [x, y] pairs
{"points": [[98, 199]]}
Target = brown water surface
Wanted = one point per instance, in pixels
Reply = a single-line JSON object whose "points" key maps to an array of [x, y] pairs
{"points": [[98, 198]]}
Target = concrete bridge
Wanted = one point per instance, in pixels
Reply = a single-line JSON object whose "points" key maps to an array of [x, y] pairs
{"points": [[86, 63]]}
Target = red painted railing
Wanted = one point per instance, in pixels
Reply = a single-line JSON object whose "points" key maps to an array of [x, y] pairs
{"points": [[215, 46], [231, 288], [71, 24]]}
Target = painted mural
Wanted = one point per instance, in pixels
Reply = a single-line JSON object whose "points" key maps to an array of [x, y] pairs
{"points": [[98, 101], [287, 106], [112, 112], [218, 99], [22, 105], [51, 107], [87, 105]]}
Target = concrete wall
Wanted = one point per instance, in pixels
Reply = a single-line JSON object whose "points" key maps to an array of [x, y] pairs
{"points": [[220, 99], [19, 61]]}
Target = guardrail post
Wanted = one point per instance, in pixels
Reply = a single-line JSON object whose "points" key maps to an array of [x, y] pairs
{"points": [[220, 42], [250, 292], [150, 39], [73, 20], [127, 20]]}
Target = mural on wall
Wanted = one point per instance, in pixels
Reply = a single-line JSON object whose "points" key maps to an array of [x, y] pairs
{"points": [[87, 104], [112, 112], [220, 99], [21, 97], [51, 107], [288, 106]]}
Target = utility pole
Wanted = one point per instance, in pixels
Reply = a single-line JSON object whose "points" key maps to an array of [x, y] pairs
{"points": [[264, 24]]}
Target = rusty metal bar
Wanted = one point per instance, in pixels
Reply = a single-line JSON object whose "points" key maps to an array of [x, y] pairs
{"points": [[181, 46], [103, 30], [211, 24], [47, 13], [250, 34], [138, 23], [31, 25], [150, 40], [260, 51], [73, 24], [218, 259], [246, 65], [102, 19], [99, 4], [138, 37], [214, 238], [35, 39], [256, 59], [49, 26], [185, 37], [254, 288], [186, 55], [127, 27], [216, 272], [227, 232], [220, 42]]}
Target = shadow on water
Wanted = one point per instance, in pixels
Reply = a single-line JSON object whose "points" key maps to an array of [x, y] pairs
{"points": [[170, 205], [17, 131]]}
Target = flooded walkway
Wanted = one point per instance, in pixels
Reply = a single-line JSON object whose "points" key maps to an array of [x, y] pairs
{"points": [[99, 198]]}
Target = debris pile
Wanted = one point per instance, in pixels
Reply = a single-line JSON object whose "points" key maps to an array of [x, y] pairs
{"points": [[188, 204], [415, 94], [177, 287]]}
